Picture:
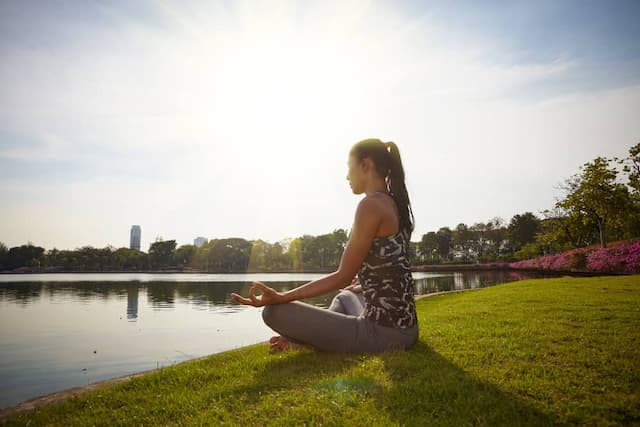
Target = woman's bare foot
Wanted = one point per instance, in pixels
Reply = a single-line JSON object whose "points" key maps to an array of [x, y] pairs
{"points": [[279, 343]]}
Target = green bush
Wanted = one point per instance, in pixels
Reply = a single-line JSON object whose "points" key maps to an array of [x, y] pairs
{"points": [[528, 251]]}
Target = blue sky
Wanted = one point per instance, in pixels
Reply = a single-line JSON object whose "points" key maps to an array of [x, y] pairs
{"points": [[228, 119]]}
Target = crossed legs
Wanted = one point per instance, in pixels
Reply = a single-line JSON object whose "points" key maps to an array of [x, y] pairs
{"points": [[304, 325]]}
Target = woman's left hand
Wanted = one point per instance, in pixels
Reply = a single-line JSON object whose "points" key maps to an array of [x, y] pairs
{"points": [[269, 296]]}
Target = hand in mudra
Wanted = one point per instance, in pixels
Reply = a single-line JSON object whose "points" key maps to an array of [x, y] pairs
{"points": [[268, 296]]}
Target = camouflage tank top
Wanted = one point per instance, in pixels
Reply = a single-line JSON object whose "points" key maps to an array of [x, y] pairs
{"points": [[387, 284]]}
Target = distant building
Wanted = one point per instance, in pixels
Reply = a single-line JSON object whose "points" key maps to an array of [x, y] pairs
{"points": [[134, 242], [199, 241]]}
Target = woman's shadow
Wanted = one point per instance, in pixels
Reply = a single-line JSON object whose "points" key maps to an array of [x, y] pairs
{"points": [[421, 387]]}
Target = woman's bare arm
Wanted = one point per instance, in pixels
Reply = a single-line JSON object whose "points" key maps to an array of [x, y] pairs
{"points": [[364, 229], [363, 232]]}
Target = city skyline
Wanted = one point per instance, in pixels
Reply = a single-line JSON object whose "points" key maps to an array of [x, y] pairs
{"points": [[235, 119]]}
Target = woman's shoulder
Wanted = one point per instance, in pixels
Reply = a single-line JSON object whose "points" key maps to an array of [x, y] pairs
{"points": [[372, 205], [378, 199], [383, 206], [368, 202]]}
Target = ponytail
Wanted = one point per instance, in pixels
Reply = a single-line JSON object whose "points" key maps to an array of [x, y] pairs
{"points": [[386, 158], [398, 189]]}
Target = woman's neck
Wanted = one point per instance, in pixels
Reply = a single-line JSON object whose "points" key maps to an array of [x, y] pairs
{"points": [[374, 191]]}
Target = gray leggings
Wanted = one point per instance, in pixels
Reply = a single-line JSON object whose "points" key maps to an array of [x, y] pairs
{"points": [[341, 328]]}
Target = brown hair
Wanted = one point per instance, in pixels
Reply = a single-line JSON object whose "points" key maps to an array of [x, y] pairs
{"points": [[386, 158]]}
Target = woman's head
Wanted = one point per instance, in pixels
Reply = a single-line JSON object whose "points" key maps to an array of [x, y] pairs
{"points": [[381, 160]]}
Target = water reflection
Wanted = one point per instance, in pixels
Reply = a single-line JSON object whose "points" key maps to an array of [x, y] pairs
{"points": [[425, 283], [214, 296], [160, 295], [163, 295], [132, 302]]}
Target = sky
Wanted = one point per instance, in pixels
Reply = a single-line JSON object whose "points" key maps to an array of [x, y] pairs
{"points": [[235, 118]]}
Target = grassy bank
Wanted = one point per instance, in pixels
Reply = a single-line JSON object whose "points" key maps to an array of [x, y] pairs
{"points": [[535, 352]]}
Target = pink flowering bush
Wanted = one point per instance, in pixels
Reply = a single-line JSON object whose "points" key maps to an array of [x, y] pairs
{"points": [[618, 257]]}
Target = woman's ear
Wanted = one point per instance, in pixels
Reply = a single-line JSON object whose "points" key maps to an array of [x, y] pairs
{"points": [[366, 164]]}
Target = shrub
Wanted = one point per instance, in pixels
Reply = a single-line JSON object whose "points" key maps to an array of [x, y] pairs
{"points": [[528, 251], [618, 257]]}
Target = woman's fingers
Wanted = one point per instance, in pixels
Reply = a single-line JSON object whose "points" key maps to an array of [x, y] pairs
{"points": [[262, 286], [267, 295], [241, 299], [252, 296]]}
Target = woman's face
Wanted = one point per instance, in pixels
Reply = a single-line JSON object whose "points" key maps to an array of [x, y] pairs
{"points": [[355, 175]]}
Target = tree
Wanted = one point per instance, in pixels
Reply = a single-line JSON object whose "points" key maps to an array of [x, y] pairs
{"points": [[185, 255], [25, 256], [463, 239], [229, 255], [632, 167], [428, 245], [412, 252], [480, 238], [444, 240], [562, 229], [275, 257], [3, 255], [295, 254], [131, 259], [522, 230], [594, 193], [496, 235], [162, 253]]}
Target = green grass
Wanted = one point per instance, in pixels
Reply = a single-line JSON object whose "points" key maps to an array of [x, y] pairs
{"points": [[535, 352]]}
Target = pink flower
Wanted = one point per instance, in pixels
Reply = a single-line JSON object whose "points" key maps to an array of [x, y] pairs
{"points": [[618, 257]]}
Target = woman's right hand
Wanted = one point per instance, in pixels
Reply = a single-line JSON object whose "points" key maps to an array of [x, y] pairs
{"points": [[267, 297]]}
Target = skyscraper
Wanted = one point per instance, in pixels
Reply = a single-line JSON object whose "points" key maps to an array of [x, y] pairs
{"points": [[199, 241], [134, 242]]}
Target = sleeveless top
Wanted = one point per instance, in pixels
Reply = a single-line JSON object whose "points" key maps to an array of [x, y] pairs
{"points": [[387, 284]]}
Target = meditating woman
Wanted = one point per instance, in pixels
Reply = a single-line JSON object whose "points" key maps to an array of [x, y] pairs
{"points": [[376, 311]]}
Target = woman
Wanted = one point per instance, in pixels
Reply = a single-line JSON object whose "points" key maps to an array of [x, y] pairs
{"points": [[384, 316]]}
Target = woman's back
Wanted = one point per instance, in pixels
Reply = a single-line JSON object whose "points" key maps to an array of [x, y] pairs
{"points": [[390, 222], [387, 283]]}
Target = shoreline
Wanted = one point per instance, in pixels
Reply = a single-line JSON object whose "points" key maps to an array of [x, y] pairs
{"points": [[44, 271], [60, 395], [435, 268], [67, 393]]}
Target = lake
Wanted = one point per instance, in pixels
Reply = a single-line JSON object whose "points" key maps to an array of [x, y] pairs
{"points": [[64, 330]]}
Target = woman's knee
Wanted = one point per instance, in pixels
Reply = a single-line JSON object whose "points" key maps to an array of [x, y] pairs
{"points": [[268, 314], [272, 313], [344, 294]]}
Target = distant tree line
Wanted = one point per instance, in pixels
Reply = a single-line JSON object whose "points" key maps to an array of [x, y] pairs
{"points": [[601, 204], [306, 253]]}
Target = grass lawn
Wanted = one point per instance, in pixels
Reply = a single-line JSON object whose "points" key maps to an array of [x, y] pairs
{"points": [[534, 352]]}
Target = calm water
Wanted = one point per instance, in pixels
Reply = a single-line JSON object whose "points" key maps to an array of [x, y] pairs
{"points": [[64, 330]]}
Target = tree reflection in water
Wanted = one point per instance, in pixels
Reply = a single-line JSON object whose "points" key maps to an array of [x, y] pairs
{"points": [[202, 295]]}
